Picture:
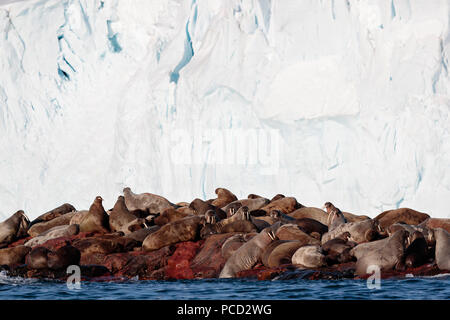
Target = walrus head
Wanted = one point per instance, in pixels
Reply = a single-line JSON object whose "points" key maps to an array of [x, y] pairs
{"points": [[98, 199], [244, 214], [328, 206], [275, 214], [208, 230], [23, 223], [210, 217]]}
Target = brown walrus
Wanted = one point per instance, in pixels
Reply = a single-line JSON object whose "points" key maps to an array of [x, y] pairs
{"points": [[145, 202], [244, 226], [37, 258], [233, 243], [416, 254], [293, 232], [13, 228], [251, 204], [308, 225], [362, 231], [54, 213], [181, 230], [285, 205], [350, 217], [96, 220], [434, 223], [63, 257], [309, 256], [224, 197], [141, 234], [406, 215], [169, 215], [337, 250], [248, 254], [55, 232], [387, 256], [14, 255], [282, 253], [311, 213], [335, 216], [201, 207], [41, 227], [442, 251], [121, 219]]}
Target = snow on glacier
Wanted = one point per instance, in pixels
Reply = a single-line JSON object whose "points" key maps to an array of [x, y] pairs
{"points": [[98, 95]]}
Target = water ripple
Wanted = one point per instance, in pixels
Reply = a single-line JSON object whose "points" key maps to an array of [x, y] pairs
{"points": [[233, 289]]}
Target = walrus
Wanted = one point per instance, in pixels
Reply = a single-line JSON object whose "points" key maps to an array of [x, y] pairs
{"points": [[366, 247], [77, 216], [434, 223], [54, 213], [63, 257], [442, 251], [308, 225], [268, 250], [260, 224], [251, 204], [55, 232], [41, 227], [309, 256], [13, 228], [98, 245], [386, 257], [181, 230], [350, 217], [224, 197], [285, 205], [293, 232], [37, 258], [406, 215], [426, 232], [120, 217], [335, 216], [201, 207], [244, 226], [14, 255], [241, 214], [312, 213], [277, 197], [253, 196], [145, 201], [362, 231], [96, 220], [282, 254], [233, 243], [337, 250], [141, 234], [416, 254], [248, 254]]}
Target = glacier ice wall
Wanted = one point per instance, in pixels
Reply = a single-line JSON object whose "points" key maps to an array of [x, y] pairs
{"points": [[93, 92]]}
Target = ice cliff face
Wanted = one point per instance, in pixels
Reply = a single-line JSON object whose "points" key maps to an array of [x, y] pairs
{"points": [[351, 99]]}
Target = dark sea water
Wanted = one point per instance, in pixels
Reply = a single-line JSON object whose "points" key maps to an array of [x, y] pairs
{"points": [[410, 288]]}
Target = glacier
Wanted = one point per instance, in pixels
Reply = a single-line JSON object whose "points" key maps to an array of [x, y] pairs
{"points": [[99, 95]]}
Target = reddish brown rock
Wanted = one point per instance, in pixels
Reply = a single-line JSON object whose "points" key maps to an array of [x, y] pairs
{"points": [[178, 265], [209, 261], [144, 264]]}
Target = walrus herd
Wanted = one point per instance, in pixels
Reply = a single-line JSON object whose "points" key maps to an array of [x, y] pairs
{"points": [[148, 237]]}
